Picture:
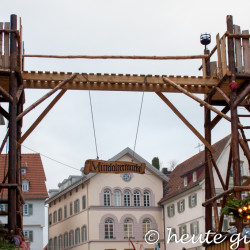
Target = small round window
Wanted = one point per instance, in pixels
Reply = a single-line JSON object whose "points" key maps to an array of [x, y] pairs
{"points": [[126, 177]]}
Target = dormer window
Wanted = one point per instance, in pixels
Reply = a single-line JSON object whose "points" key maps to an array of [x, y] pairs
{"points": [[185, 181], [25, 186], [194, 176]]}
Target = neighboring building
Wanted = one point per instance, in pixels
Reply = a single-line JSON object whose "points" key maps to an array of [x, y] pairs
{"points": [[104, 211], [34, 193], [185, 192]]}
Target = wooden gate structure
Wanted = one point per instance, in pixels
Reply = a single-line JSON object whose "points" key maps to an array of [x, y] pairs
{"points": [[217, 84]]}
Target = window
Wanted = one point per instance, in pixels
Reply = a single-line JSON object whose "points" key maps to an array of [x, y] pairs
{"points": [[194, 176], [185, 181], [65, 211], [3, 207], [126, 198], [23, 170], [65, 240], [76, 206], [28, 234], [182, 230], [50, 244], [71, 238], [55, 217], [84, 202], [59, 214], [146, 226], [192, 200], [225, 225], [171, 210], [137, 199], [25, 186], [146, 198], [50, 219], [55, 243], [194, 228], [126, 177], [173, 232], [84, 233], [117, 196], [181, 206], [60, 243], [77, 236], [128, 228], [71, 208], [109, 229], [27, 209], [107, 198]]}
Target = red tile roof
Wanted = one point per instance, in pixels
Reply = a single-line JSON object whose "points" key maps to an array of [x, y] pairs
{"points": [[34, 174], [175, 185]]}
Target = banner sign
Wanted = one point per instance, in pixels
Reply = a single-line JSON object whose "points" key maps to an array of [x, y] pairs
{"points": [[114, 167]]}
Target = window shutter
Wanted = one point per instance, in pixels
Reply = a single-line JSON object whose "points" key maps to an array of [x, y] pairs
{"points": [[198, 230], [192, 228], [168, 211], [195, 199], [30, 209], [189, 201], [31, 236], [183, 205], [173, 210], [185, 229], [84, 202], [178, 206], [180, 232]]}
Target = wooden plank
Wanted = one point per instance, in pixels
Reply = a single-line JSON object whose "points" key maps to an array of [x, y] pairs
{"points": [[219, 55], [238, 50], [223, 55], [204, 68], [115, 167], [6, 61], [1, 45], [246, 52], [175, 110]]}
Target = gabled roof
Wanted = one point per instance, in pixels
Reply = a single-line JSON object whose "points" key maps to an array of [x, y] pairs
{"points": [[34, 174], [127, 151], [135, 157], [175, 185]]}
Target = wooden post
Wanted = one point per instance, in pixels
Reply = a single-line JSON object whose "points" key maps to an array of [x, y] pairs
{"points": [[12, 129], [208, 193], [234, 122]]}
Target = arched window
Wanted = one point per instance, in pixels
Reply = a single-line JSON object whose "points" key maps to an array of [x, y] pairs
{"points": [[109, 229], [146, 226], [55, 243], [146, 198], [126, 198], [65, 240], [25, 185], [77, 236], [107, 198], [50, 244], [128, 228], [137, 202], [60, 243], [84, 233], [117, 196], [71, 238]]}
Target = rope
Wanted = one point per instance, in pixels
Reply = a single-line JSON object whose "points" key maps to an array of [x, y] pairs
{"points": [[145, 81], [92, 115]]}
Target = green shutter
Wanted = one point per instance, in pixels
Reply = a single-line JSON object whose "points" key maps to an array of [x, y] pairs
{"points": [[168, 211], [180, 234], [192, 228], [84, 202], [31, 236], [198, 230], [195, 195], [183, 205], [185, 229], [173, 210], [178, 206], [30, 209], [189, 201]]}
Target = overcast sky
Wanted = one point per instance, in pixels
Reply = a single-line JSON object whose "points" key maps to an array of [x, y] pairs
{"points": [[117, 27]]}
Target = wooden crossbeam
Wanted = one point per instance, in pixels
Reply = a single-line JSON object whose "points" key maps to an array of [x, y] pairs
{"points": [[198, 99], [189, 125]]}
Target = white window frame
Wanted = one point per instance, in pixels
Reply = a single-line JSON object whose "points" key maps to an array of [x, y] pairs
{"points": [[137, 200], [127, 198], [182, 206], [25, 209], [23, 170], [146, 226], [107, 198], [109, 229], [84, 233], [193, 202], [25, 186], [185, 181], [146, 198], [171, 210], [128, 228], [117, 198], [194, 176]]}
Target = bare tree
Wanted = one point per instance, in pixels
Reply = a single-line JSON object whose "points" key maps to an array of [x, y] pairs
{"points": [[172, 164]]}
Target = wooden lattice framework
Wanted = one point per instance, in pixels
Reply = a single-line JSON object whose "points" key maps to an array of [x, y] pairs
{"points": [[233, 64]]}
